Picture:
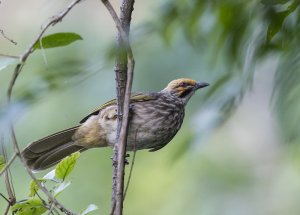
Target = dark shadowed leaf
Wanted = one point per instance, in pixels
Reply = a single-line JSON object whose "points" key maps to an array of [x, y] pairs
{"points": [[277, 20], [287, 91], [64, 168], [57, 40]]}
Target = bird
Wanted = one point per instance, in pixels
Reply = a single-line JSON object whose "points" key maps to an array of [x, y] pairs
{"points": [[154, 119]]}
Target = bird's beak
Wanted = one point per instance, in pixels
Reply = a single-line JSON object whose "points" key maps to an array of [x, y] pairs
{"points": [[201, 85]]}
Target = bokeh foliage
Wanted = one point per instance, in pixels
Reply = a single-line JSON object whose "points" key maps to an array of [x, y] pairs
{"points": [[239, 34], [224, 40]]}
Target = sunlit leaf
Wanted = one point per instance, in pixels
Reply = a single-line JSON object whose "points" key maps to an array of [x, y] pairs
{"points": [[57, 40], [60, 188], [6, 60], [64, 168], [33, 187], [2, 162], [29, 207], [89, 209]]}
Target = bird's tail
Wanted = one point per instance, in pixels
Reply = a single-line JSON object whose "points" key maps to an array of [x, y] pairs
{"points": [[48, 151]]}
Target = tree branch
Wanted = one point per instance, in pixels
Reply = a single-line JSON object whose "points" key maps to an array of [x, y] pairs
{"points": [[124, 75], [53, 21], [7, 176]]}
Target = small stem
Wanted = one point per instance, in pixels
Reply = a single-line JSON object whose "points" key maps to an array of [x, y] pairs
{"points": [[130, 173], [8, 163], [6, 199]]}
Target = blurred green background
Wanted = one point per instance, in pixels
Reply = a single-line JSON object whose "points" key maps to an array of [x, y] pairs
{"points": [[238, 150]]}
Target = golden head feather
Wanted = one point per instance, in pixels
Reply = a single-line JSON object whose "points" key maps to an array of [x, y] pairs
{"points": [[184, 88]]}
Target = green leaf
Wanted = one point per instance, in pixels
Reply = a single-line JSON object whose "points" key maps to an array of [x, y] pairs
{"points": [[2, 162], [33, 187], [29, 207], [60, 188], [89, 209], [278, 19], [274, 2], [64, 167], [287, 92], [57, 40], [6, 60]]}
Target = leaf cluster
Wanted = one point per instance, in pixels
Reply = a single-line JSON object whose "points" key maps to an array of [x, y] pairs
{"points": [[56, 180]]}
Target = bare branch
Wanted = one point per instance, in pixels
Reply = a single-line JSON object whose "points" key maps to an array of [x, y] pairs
{"points": [[130, 173], [6, 199], [7, 177], [7, 209], [6, 37], [124, 34], [124, 74], [7, 165]]}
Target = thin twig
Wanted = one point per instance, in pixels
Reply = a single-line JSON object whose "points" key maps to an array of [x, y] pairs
{"points": [[7, 209], [6, 37], [6, 199], [132, 164], [7, 177], [130, 173], [8, 163]]}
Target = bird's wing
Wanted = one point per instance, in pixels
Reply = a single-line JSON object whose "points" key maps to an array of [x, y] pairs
{"points": [[137, 97]]}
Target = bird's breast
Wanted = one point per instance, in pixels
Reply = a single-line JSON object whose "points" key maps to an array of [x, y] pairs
{"points": [[153, 124]]}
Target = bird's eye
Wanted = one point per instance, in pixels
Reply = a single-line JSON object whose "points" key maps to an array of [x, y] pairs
{"points": [[183, 84]]}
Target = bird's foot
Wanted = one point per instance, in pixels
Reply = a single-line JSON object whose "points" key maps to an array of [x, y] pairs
{"points": [[126, 162]]}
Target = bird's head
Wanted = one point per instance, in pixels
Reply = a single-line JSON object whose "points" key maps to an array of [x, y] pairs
{"points": [[184, 88]]}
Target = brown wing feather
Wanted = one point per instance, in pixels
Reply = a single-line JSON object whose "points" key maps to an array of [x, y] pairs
{"points": [[48, 151], [136, 97]]}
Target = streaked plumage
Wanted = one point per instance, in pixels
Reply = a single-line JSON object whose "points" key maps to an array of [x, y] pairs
{"points": [[155, 118]]}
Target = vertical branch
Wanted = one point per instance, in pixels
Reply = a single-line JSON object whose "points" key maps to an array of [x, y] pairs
{"points": [[124, 67], [7, 177]]}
